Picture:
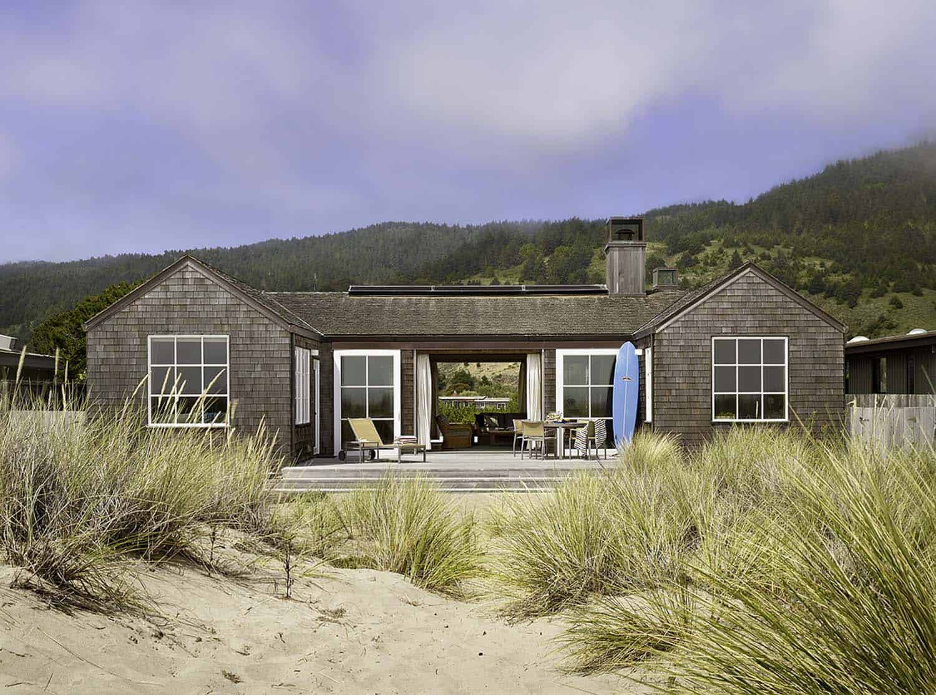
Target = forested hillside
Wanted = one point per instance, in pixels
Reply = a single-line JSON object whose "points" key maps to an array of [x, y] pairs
{"points": [[859, 238]]}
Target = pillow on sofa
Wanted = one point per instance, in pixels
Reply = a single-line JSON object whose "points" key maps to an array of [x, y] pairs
{"points": [[491, 421]]}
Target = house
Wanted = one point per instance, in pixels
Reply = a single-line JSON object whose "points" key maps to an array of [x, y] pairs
{"points": [[480, 403], [744, 349], [35, 369], [892, 365]]}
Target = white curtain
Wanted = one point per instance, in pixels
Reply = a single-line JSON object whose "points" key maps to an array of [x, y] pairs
{"points": [[534, 387], [424, 400]]}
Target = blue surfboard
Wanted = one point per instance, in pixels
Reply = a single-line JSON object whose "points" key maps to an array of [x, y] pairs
{"points": [[624, 394]]}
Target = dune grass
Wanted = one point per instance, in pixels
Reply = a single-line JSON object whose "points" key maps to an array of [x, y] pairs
{"points": [[806, 567], [401, 525], [79, 495]]}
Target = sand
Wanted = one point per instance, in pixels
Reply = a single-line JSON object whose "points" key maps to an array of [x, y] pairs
{"points": [[345, 631]]}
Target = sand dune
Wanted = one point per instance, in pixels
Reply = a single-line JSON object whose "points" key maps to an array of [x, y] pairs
{"points": [[348, 631]]}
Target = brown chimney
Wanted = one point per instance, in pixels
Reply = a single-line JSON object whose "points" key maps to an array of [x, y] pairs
{"points": [[626, 252]]}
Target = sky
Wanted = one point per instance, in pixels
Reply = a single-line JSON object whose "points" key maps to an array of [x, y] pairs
{"points": [[143, 126]]}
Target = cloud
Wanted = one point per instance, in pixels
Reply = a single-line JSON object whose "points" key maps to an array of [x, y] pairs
{"points": [[223, 122]]}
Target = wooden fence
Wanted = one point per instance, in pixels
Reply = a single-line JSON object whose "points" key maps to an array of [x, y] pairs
{"points": [[894, 420]]}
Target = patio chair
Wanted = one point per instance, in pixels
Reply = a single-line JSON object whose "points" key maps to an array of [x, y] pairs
{"points": [[366, 437], [517, 435], [582, 438], [455, 435], [534, 434]]}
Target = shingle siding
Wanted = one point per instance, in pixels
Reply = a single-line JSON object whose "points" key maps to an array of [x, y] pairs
{"points": [[188, 302], [407, 393], [682, 380]]}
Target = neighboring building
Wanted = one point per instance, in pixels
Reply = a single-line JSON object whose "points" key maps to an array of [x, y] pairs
{"points": [[892, 365], [498, 403], [744, 349], [36, 368]]}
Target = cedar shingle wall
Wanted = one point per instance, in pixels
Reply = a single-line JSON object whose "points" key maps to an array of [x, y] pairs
{"points": [[190, 303], [327, 398], [407, 384], [549, 381], [682, 382]]}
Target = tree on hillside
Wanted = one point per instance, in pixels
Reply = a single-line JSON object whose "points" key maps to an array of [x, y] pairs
{"points": [[63, 331]]}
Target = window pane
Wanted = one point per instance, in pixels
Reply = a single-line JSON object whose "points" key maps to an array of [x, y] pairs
{"points": [[600, 402], [749, 379], [725, 351], [749, 351], [215, 351], [190, 380], [385, 430], [774, 379], [215, 410], [380, 371], [162, 351], [354, 371], [575, 402], [774, 406], [725, 379], [749, 406], [188, 351], [725, 406], [575, 369], [215, 380], [189, 410], [161, 380], [602, 369], [380, 401], [353, 402], [773, 351], [161, 410]]}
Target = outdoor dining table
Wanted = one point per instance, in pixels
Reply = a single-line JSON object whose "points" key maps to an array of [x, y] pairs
{"points": [[559, 427]]}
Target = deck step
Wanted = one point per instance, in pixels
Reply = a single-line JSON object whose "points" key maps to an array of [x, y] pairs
{"points": [[473, 484], [354, 473]]}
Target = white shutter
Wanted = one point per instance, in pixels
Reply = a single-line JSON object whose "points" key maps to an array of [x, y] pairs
{"points": [[302, 359]]}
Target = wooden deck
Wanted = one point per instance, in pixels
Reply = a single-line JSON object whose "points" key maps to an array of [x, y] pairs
{"points": [[479, 469]]}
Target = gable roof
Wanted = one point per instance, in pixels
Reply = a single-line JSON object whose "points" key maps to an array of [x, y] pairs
{"points": [[696, 297], [339, 314], [259, 300]]}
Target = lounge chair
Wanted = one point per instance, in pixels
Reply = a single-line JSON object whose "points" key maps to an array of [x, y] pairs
{"points": [[366, 437]]}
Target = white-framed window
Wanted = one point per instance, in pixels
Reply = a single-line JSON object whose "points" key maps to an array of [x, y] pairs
{"points": [[584, 384], [188, 384], [367, 385], [749, 379], [303, 358]]}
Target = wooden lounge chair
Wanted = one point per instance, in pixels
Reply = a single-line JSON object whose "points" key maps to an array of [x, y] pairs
{"points": [[366, 437], [455, 435]]}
